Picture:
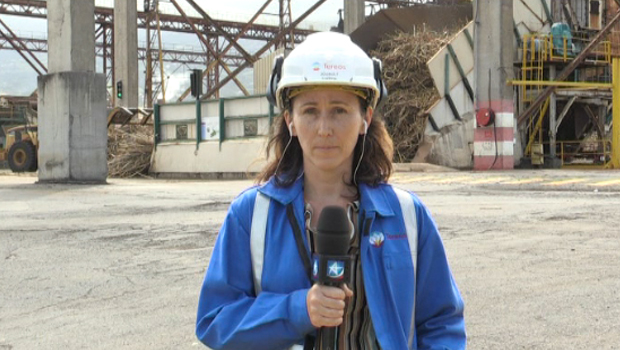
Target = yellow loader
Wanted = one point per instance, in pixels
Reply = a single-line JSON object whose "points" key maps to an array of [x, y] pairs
{"points": [[20, 151]]}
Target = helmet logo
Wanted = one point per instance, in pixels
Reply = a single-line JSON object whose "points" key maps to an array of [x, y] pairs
{"points": [[316, 66], [335, 66]]}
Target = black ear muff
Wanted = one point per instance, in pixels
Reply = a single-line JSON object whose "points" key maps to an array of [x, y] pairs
{"points": [[274, 79], [383, 92]]}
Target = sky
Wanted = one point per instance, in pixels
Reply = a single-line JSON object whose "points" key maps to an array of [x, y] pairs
{"points": [[18, 78]]}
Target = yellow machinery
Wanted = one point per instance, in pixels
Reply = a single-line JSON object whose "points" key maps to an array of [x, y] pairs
{"points": [[539, 52], [20, 151], [22, 142]]}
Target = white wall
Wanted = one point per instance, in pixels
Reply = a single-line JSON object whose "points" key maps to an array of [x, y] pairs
{"points": [[235, 156], [531, 18], [238, 153]]}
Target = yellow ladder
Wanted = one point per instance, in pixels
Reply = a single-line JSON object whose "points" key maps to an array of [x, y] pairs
{"points": [[535, 51]]}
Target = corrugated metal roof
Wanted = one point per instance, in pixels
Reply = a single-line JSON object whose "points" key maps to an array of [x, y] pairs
{"points": [[409, 19]]}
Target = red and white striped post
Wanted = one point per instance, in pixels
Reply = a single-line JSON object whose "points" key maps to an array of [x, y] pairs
{"points": [[494, 135]]}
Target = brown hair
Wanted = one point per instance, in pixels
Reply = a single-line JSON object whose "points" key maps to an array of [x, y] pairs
{"points": [[376, 165]]}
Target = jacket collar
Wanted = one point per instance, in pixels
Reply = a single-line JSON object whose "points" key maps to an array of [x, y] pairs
{"points": [[284, 195], [373, 198]]}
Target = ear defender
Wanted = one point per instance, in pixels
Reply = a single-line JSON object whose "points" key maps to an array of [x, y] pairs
{"points": [[276, 75], [378, 67]]}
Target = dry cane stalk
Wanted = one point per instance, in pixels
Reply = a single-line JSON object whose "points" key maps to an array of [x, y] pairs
{"points": [[410, 85], [129, 150]]}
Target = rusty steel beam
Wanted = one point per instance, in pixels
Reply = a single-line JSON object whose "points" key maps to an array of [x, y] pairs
{"points": [[150, 66], [169, 55], [213, 75], [107, 50], [191, 57], [231, 31], [20, 47], [29, 8], [208, 46], [285, 21], [259, 32], [407, 3], [243, 30], [169, 23], [19, 51], [222, 32], [33, 44], [265, 48]]}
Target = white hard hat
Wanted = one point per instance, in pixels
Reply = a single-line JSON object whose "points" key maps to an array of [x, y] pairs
{"points": [[326, 58]]}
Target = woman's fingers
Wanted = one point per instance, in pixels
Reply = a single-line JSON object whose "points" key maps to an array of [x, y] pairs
{"points": [[328, 321], [325, 305], [348, 292]]}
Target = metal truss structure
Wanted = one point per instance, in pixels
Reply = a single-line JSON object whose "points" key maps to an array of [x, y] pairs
{"points": [[378, 5], [10, 40], [286, 18], [407, 3], [222, 54], [168, 55], [169, 23], [153, 54]]}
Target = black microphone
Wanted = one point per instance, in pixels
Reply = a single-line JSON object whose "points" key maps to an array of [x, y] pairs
{"points": [[331, 263]]}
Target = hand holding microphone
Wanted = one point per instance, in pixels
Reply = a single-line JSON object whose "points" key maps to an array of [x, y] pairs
{"points": [[331, 271], [326, 305]]}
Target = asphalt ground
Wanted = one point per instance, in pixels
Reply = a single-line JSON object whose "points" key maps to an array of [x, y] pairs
{"points": [[536, 255]]}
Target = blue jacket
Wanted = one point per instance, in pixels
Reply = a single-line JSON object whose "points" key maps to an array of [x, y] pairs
{"points": [[231, 316]]}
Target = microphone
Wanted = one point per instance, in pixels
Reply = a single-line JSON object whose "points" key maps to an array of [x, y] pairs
{"points": [[331, 264]]}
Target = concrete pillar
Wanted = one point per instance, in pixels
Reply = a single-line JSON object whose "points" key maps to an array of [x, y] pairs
{"points": [[70, 29], [553, 114], [494, 56], [354, 14], [72, 99], [126, 52]]}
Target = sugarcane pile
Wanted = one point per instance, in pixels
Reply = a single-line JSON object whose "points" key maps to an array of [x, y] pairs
{"points": [[129, 150], [410, 86]]}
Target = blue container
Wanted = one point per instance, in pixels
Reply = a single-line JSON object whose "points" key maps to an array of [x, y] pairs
{"points": [[560, 31]]}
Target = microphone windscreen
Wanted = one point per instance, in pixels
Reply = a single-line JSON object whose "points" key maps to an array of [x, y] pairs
{"points": [[333, 231]]}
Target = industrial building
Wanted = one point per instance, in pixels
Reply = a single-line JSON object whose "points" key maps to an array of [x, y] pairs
{"points": [[523, 83]]}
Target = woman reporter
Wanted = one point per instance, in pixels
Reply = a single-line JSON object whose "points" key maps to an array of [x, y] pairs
{"points": [[329, 150]]}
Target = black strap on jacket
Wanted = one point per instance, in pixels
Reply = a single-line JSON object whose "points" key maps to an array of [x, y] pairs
{"points": [[299, 240], [309, 340]]}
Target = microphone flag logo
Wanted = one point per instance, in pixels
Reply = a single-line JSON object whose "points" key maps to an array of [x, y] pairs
{"points": [[315, 268], [335, 269]]}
